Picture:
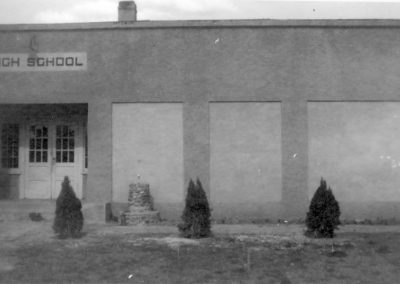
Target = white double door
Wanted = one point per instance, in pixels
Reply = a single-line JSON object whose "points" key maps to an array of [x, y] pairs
{"points": [[53, 151]]}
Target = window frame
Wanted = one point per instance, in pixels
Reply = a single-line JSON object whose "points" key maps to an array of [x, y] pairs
{"points": [[5, 149]]}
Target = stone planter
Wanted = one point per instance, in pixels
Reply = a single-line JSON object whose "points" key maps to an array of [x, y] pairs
{"points": [[141, 209]]}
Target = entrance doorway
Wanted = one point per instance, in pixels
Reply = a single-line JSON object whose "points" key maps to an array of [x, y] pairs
{"points": [[54, 150]]}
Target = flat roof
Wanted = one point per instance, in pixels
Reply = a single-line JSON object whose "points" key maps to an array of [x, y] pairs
{"points": [[207, 24]]}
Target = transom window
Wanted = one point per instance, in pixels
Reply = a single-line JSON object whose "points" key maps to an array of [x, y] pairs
{"points": [[65, 144], [38, 144], [9, 145]]}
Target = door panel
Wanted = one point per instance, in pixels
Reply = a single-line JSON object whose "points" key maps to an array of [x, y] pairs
{"points": [[54, 151], [38, 164], [65, 161]]}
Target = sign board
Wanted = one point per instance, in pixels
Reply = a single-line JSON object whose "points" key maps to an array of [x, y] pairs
{"points": [[23, 62]]}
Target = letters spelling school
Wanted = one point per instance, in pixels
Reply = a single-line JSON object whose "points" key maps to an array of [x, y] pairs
{"points": [[46, 61]]}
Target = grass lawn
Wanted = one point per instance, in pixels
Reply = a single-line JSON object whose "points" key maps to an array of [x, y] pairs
{"points": [[109, 254]]}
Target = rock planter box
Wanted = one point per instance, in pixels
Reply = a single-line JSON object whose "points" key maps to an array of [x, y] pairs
{"points": [[141, 209]]}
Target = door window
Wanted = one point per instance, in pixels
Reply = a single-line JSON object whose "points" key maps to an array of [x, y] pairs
{"points": [[38, 144], [65, 144]]}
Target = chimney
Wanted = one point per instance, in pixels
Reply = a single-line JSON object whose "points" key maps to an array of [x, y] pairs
{"points": [[126, 11]]}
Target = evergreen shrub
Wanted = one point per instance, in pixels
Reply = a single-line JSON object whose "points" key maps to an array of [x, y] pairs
{"points": [[68, 221], [323, 215], [196, 214]]}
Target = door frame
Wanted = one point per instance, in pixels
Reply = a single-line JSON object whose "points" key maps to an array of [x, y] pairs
{"points": [[78, 155]]}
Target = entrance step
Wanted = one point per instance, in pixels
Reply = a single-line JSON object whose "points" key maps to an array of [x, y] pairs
{"points": [[18, 210]]}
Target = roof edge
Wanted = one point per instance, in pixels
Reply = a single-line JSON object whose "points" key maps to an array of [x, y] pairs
{"points": [[181, 24]]}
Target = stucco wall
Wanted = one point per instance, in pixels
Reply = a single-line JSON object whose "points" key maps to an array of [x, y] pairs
{"points": [[194, 64]]}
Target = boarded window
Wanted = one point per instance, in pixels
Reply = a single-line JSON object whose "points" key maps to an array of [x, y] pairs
{"points": [[148, 147], [245, 150], [355, 147]]}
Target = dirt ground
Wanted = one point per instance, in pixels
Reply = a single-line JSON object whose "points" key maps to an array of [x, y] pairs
{"points": [[269, 253], [15, 234]]}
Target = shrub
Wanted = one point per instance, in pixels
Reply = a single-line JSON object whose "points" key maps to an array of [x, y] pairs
{"points": [[323, 215], [196, 215], [68, 221]]}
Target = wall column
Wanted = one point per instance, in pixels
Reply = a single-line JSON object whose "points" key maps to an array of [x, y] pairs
{"points": [[99, 182], [196, 143], [294, 159]]}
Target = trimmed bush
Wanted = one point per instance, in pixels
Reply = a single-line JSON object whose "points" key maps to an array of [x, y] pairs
{"points": [[68, 221], [196, 215], [323, 215]]}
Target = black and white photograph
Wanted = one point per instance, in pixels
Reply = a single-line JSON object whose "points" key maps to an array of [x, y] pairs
{"points": [[199, 141]]}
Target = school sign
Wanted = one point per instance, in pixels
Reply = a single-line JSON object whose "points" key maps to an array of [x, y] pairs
{"points": [[23, 62]]}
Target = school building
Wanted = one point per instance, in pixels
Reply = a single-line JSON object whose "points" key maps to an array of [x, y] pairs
{"points": [[258, 110]]}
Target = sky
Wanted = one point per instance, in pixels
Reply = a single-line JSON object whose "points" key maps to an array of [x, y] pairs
{"points": [[69, 11]]}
